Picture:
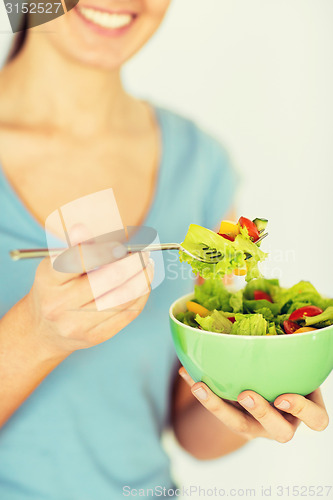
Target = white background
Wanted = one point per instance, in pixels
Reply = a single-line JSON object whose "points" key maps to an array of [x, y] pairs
{"points": [[258, 74]]}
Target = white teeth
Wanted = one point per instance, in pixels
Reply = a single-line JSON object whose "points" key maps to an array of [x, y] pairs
{"points": [[104, 19]]}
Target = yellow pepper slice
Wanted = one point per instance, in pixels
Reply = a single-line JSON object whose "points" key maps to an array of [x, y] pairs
{"points": [[197, 308], [305, 329], [229, 228], [240, 271]]}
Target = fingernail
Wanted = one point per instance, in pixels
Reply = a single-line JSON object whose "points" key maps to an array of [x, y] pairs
{"points": [[201, 393], [284, 405], [247, 402]]}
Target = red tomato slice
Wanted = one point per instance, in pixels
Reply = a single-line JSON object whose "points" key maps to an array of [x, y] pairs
{"points": [[250, 226], [230, 238], [259, 295], [290, 326], [305, 311], [232, 319]]}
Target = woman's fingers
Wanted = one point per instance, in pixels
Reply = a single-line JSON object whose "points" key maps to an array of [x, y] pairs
{"points": [[113, 275], [119, 298], [88, 287], [276, 426], [310, 410], [46, 273], [183, 373], [233, 418], [279, 423]]}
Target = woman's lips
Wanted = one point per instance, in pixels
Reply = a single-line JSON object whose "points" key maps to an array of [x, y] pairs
{"points": [[111, 23]]}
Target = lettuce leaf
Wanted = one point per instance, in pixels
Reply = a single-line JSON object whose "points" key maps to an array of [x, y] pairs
{"points": [[261, 307], [236, 301], [212, 294], [251, 324], [234, 252], [299, 295], [215, 322], [188, 318], [272, 328], [272, 287]]}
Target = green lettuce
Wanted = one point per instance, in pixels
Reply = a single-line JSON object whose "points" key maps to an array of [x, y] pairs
{"points": [[215, 322], [272, 287], [252, 324], [188, 318], [236, 301], [256, 317], [234, 252], [212, 294], [272, 328], [264, 307], [299, 295]]}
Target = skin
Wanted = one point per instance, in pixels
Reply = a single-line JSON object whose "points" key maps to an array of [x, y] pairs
{"points": [[251, 417], [62, 100]]}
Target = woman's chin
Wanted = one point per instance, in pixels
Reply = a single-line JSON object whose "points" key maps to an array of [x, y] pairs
{"points": [[96, 59]]}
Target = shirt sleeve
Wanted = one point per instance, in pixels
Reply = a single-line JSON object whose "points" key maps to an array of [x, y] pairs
{"points": [[221, 187]]}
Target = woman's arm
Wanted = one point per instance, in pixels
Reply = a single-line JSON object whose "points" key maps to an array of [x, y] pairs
{"points": [[24, 362], [59, 316]]}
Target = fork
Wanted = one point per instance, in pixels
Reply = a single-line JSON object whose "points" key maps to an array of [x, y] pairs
{"points": [[209, 255]]}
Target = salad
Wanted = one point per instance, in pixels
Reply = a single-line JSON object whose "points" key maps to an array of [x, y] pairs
{"points": [[263, 307], [235, 241]]}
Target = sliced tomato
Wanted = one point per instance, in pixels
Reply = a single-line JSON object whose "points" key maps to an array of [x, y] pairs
{"points": [[232, 319], [260, 295], [302, 312], [227, 236], [250, 226], [290, 326]]}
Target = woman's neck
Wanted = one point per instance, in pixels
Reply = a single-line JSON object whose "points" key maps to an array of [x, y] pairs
{"points": [[44, 88]]}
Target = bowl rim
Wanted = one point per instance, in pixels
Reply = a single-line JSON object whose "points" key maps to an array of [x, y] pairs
{"points": [[228, 335]]}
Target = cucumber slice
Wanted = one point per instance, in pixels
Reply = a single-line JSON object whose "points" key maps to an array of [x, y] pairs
{"points": [[261, 224]]}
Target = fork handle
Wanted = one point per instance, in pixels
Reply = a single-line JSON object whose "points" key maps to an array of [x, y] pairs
{"points": [[40, 253]]}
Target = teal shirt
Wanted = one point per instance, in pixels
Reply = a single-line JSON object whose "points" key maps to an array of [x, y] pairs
{"points": [[94, 424]]}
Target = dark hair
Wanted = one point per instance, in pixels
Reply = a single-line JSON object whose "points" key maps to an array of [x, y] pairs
{"points": [[19, 39]]}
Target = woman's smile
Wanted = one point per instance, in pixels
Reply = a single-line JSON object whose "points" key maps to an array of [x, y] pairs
{"points": [[104, 34], [109, 22]]}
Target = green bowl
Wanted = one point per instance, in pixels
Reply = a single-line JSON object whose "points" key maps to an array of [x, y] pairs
{"points": [[269, 365]]}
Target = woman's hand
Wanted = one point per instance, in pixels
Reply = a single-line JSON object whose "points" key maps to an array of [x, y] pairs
{"points": [[61, 307], [252, 416]]}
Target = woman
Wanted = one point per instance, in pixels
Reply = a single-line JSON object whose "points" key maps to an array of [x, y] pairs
{"points": [[68, 128]]}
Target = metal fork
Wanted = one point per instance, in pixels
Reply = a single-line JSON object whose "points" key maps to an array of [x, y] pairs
{"points": [[209, 255]]}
